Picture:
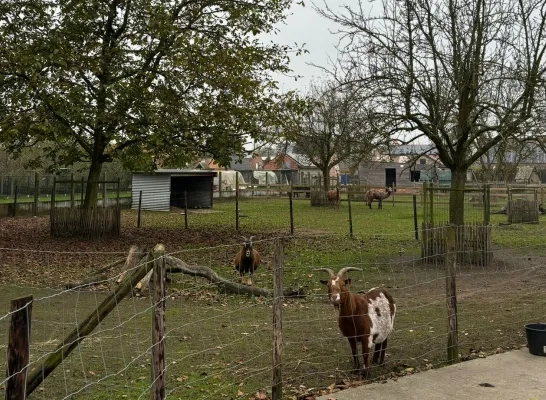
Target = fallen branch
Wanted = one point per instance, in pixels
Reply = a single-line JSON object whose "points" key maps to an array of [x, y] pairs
{"points": [[174, 265]]}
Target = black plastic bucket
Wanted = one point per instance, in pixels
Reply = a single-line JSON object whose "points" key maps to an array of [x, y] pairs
{"points": [[536, 339]]}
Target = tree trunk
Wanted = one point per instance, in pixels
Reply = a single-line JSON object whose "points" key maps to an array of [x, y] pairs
{"points": [[326, 178], [456, 198], [92, 187]]}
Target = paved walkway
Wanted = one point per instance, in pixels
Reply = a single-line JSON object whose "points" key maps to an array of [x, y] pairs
{"points": [[516, 375]]}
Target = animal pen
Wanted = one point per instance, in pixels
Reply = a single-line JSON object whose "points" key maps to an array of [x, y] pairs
{"points": [[123, 333], [473, 239], [72, 220]]}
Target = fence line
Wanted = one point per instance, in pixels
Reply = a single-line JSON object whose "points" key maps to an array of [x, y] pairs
{"points": [[219, 345]]}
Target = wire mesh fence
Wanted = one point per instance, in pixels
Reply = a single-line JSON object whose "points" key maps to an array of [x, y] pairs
{"points": [[219, 332]]}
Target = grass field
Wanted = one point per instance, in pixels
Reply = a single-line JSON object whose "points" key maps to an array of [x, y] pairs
{"points": [[219, 346]]}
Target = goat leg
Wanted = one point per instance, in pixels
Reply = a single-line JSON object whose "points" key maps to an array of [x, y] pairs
{"points": [[356, 362], [366, 348], [383, 350], [376, 353]]}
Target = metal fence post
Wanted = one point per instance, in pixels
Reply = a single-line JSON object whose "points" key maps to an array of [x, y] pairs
{"points": [[276, 392], [15, 200], [139, 208]]}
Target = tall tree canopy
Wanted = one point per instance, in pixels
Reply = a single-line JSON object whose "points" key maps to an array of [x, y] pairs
{"points": [[467, 74], [335, 128], [138, 80]]}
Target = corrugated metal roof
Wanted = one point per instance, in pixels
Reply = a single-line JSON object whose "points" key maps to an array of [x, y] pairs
{"points": [[156, 191]]}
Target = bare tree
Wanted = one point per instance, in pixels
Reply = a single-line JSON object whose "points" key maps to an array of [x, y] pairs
{"points": [[454, 71], [336, 129]]}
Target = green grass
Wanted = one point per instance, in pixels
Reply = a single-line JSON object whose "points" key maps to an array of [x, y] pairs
{"points": [[219, 346]]}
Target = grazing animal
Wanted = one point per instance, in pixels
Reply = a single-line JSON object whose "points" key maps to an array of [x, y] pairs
{"points": [[333, 197], [378, 195], [247, 260], [365, 318]]}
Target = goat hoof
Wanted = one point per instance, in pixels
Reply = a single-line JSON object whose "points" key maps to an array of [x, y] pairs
{"points": [[365, 373]]}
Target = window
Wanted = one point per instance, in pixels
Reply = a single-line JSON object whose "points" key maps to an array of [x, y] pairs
{"points": [[422, 161]]}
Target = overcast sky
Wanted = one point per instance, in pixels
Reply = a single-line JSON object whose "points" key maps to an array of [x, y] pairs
{"points": [[305, 26]]}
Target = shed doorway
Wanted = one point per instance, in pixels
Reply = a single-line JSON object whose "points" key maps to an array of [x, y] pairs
{"points": [[390, 177], [198, 190]]}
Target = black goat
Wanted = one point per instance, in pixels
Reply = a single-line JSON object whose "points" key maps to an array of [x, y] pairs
{"points": [[247, 260]]}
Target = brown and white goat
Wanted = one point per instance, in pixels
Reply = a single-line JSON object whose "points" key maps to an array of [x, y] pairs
{"points": [[333, 197], [365, 318], [247, 260], [374, 194]]}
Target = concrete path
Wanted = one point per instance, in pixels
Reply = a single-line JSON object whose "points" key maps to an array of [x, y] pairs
{"points": [[516, 375]]}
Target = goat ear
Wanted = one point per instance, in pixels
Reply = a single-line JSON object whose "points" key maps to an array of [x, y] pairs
{"points": [[323, 282], [348, 281]]}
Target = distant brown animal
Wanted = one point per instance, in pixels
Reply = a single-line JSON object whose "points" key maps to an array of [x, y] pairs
{"points": [[367, 318], [333, 197], [374, 194], [247, 260]]}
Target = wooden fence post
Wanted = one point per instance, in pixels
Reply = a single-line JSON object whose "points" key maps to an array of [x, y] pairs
{"points": [[82, 193], [36, 193], [18, 348], [237, 201], [15, 200], [350, 214], [158, 324], [415, 225], [139, 209], [431, 204], [220, 184], [266, 185], [290, 195], [104, 189], [185, 209], [451, 294], [425, 203], [276, 391], [118, 191], [487, 204], [72, 190]]}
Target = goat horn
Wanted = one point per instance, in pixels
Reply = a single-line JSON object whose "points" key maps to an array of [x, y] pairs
{"points": [[250, 238], [244, 238], [347, 269], [326, 270]]}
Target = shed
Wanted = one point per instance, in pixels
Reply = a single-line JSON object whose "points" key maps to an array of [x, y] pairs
{"points": [[166, 187]]}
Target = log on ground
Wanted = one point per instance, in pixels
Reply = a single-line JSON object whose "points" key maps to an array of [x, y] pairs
{"points": [[174, 265]]}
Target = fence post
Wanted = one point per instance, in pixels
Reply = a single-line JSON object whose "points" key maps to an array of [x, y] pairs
{"points": [[541, 193], [237, 201], [118, 192], [393, 192], [431, 204], [220, 184], [158, 324], [36, 192], [72, 190], [487, 204], [425, 203], [451, 295], [82, 193], [276, 392], [291, 211], [266, 185], [15, 200], [415, 225], [104, 189], [185, 209], [350, 213], [139, 208], [18, 348]]}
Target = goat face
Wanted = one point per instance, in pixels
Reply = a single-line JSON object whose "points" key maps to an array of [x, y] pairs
{"points": [[335, 286], [247, 246]]}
